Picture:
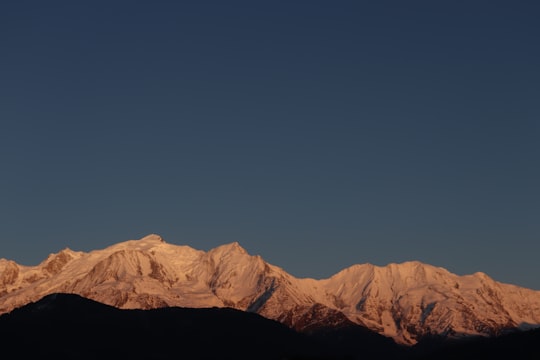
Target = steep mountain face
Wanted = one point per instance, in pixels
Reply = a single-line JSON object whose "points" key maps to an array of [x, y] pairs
{"points": [[406, 302]]}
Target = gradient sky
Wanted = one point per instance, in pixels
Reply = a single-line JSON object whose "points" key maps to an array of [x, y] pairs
{"points": [[317, 134]]}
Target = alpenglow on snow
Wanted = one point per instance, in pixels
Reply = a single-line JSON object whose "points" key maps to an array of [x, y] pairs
{"points": [[404, 301]]}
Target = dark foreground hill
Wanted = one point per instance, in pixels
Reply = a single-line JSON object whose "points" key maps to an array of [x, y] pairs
{"points": [[65, 326], [62, 326], [517, 345]]}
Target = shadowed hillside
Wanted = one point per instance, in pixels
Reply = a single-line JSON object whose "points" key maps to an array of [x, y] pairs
{"points": [[518, 345], [62, 326], [67, 326]]}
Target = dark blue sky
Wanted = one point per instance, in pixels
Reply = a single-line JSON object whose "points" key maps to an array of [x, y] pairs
{"points": [[317, 134]]}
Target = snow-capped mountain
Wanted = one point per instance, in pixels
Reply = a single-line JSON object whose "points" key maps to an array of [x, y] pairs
{"points": [[405, 301]]}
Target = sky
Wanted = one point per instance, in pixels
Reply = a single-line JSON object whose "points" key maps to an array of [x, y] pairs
{"points": [[317, 134]]}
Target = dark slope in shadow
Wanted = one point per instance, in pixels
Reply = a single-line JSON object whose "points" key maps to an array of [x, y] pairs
{"points": [[522, 345], [65, 326]]}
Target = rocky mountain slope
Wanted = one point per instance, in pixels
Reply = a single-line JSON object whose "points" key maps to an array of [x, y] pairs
{"points": [[406, 302]]}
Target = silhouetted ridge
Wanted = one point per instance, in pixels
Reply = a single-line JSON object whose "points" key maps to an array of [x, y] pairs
{"points": [[66, 326], [65, 303]]}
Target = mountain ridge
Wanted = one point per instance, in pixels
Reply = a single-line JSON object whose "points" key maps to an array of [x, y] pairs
{"points": [[406, 301], [81, 328]]}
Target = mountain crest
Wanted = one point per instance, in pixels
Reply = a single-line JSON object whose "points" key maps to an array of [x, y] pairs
{"points": [[230, 249], [55, 262], [152, 238]]}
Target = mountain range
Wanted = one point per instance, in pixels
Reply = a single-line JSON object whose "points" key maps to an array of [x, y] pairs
{"points": [[407, 302]]}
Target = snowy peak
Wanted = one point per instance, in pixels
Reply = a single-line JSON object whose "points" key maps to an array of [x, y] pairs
{"points": [[152, 238], [232, 249], [55, 262], [146, 243], [405, 301], [9, 272]]}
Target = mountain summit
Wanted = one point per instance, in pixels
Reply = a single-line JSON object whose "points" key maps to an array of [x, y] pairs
{"points": [[407, 301]]}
